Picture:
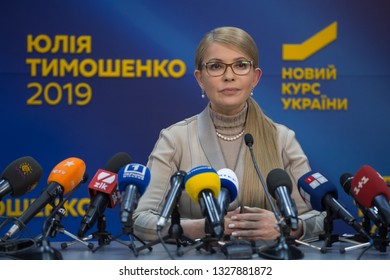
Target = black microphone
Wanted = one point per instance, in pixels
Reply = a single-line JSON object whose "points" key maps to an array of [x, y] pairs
{"points": [[64, 177], [280, 186], [20, 176], [282, 250], [172, 198], [104, 191], [371, 212]]}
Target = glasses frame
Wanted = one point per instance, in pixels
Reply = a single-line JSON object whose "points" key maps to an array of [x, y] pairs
{"points": [[204, 65]]}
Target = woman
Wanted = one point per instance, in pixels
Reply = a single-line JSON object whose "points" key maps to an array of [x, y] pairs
{"points": [[227, 72]]}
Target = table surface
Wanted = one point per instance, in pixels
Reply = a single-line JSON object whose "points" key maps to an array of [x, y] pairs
{"points": [[122, 250]]}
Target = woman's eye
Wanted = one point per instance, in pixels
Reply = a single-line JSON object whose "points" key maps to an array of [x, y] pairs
{"points": [[215, 66], [241, 64]]}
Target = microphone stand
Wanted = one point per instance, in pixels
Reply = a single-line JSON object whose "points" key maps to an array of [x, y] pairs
{"points": [[361, 241], [128, 230], [328, 237], [209, 242], [382, 241], [46, 251], [283, 249], [175, 232], [103, 237], [55, 226]]}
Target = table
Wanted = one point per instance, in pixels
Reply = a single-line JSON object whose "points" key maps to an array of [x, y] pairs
{"points": [[121, 251]]}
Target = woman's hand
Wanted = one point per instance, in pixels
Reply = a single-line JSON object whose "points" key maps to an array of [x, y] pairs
{"points": [[253, 224]]}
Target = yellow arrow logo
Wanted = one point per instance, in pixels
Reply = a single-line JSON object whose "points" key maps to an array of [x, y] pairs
{"points": [[310, 46]]}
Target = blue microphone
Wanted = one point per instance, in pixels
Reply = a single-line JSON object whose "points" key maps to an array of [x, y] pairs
{"points": [[133, 179], [321, 194]]}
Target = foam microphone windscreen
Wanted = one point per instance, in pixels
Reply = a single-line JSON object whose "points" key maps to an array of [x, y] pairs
{"points": [[68, 173], [313, 187], [229, 181], [202, 178], [118, 161], [134, 174], [367, 184], [23, 175], [276, 178]]}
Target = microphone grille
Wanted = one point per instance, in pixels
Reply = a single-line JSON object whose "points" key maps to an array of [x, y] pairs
{"points": [[118, 161], [276, 178], [248, 139], [23, 175], [345, 182]]}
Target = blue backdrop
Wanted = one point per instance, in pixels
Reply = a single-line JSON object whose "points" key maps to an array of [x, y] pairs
{"points": [[340, 113]]}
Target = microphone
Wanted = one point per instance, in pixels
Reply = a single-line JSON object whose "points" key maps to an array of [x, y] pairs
{"points": [[229, 189], [63, 178], [369, 189], [249, 142], [133, 180], [321, 194], [20, 176], [103, 191], [203, 186], [372, 212], [281, 250], [172, 198], [280, 186]]}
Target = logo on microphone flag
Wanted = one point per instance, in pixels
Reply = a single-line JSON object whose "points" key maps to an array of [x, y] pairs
{"points": [[315, 180]]}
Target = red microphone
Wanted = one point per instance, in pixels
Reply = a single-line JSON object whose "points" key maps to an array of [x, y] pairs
{"points": [[103, 191], [105, 182], [370, 189]]}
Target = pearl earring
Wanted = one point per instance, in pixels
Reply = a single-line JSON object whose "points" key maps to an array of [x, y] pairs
{"points": [[203, 95]]}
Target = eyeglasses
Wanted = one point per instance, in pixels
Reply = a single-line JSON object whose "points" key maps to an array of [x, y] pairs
{"points": [[216, 69]]}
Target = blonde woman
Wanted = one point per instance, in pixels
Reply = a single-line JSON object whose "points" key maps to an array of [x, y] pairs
{"points": [[227, 71]]}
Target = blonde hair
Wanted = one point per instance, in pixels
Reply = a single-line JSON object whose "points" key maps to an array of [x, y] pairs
{"points": [[263, 129], [266, 153]]}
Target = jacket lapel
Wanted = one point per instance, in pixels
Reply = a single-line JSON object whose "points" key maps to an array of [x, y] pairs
{"points": [[209, 141]]}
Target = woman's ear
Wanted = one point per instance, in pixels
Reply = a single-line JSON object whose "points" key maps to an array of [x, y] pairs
{"points": [[198, 77], [257, 77]]}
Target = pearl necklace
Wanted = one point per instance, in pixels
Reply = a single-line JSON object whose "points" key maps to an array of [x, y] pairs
{"points": [[232, 138]]}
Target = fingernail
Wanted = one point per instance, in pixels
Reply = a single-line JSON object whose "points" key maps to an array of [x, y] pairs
{"points": [[233, 217], [234, 233], [231, 226]]}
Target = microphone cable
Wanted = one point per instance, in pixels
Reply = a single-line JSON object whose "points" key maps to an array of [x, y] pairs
{"points": [[164, 245], [364, 251], [15, 219], [9, 247]]}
